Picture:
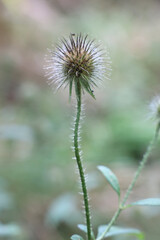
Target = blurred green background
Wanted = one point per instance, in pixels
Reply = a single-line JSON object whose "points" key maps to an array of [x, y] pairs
{"points": [[39, 197]]}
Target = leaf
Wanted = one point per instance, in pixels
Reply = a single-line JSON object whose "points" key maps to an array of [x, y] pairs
{"points": [[111, 178], [118, 230], [70, 89], [146, 202], [84, 229], [9, 230], [76, 237]]}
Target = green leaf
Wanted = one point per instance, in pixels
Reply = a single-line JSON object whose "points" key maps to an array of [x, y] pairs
{"points": [[9, 230], [70, 89], [111, 178], [76, 237], [118, 230], [87, 87], [84, 229], [146, 202]]}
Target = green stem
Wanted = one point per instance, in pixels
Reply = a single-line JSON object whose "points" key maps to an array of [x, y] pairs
{"points": [[137, 173], [79, 162], [142, 164]]}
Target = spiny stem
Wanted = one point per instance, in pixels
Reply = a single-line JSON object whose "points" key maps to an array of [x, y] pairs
{"points": [[79, 162], [137, 173]]}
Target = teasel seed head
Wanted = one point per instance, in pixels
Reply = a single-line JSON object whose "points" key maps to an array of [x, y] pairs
{"points": [[155, 108], [77, 61]]}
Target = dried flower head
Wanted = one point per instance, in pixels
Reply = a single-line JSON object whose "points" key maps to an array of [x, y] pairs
{"points": [[76, 61], [155, 108]]}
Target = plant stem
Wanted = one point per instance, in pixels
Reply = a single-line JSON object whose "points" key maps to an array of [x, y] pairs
{"points": [[137, 173], [79, 161]]}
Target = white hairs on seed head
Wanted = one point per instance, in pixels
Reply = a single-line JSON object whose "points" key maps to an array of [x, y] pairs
{"points": [[77, 60]]}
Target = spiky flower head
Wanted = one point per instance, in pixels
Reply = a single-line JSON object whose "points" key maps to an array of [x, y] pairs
{"points": [[76, 61], [155, 108]]}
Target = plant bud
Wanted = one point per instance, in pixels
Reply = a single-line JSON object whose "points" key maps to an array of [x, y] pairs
{"points": [[77, 61]]}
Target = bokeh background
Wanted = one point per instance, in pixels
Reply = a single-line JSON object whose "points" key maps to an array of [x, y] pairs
{"points": [[39, 197]]}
